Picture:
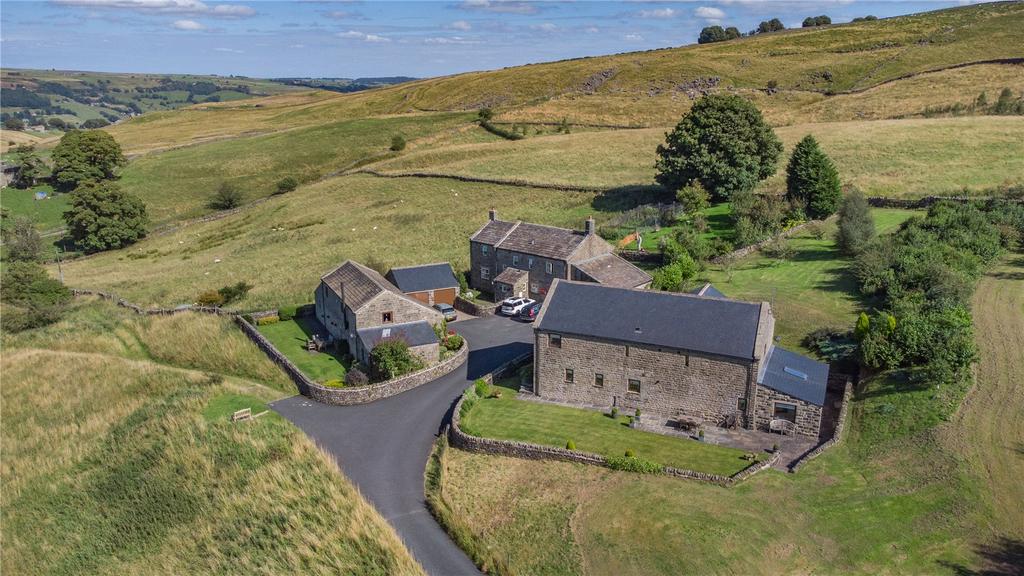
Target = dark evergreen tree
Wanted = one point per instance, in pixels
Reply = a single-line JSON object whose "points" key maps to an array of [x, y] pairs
{"points": [[856, 225], [812, 179]]}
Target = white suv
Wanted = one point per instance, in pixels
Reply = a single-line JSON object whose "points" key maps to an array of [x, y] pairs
{"points": [[512, 306]]}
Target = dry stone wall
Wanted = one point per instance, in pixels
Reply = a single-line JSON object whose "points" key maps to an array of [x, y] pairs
{"points": [[836, 437]]}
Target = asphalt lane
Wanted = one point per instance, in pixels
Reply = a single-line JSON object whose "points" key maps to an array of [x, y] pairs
{"points": [[383, 446]]}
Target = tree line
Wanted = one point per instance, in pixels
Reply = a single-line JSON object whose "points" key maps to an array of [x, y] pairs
{"points": [[716, 33]]}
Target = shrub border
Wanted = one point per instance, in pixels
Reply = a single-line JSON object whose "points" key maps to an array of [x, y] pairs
{"points": [[528, 451]]}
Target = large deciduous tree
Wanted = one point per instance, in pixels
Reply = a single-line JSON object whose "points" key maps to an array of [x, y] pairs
{"points": [[85, 156], [812, 179], [102, 216], [724, 143]]}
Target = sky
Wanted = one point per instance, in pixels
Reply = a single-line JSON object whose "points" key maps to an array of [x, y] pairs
{"points": [[349, 39]]}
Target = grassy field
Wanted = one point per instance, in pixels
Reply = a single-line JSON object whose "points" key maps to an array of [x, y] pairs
{"points": [[119, 458], [809, 290], [892, 158], [917, 498], [290, 336], [180, 183], [507, 418], [284, 245], [48, 214]]}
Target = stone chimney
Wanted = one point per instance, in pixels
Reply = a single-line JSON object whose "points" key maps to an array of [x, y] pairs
{"points": [[492, 214], [588, 225]]}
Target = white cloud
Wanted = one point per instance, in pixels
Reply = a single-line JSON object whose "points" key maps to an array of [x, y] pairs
{"points": [[661, 13], [710, 14], [450, 40], [460, 25], [356, 35], [544, 27], [297, 46], [187, 25], [500, 6], [633, 38], [592, 30], [166, 7], [230, 50]]}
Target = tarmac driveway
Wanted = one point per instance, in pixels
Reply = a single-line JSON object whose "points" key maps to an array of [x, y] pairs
{"points": [[383, 446]]}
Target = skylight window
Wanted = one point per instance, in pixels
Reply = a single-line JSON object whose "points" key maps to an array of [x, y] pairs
{"points": [[387, 332], [795, 372]]}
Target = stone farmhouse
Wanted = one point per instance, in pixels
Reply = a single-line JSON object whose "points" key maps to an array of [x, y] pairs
{"points": [[684, 357], [522, 259], [361, 308], [429, 283]]}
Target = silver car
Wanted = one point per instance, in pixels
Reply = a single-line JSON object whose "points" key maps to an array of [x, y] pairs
{"points": [[512, 306]]}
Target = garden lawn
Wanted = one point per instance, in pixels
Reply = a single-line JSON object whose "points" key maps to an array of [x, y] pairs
{"points": [[811, 289], [719, 226], [289, 337], [47, 214], [508, 418]]}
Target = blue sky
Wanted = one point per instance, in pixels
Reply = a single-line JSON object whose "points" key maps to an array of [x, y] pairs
{"points": [[351, 39]]}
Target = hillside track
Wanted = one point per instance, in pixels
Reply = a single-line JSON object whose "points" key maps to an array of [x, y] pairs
{"points": [[989, 428]]}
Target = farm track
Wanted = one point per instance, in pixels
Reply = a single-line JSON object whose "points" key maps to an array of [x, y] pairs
{"points": [[989, 428]]}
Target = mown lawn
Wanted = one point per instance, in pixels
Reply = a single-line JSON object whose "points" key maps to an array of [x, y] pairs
{"points": [[811, 289], [290, 336], [508, 418]]}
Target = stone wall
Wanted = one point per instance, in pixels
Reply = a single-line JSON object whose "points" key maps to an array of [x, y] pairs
{"points": [[356, 395], [747, 250], [920, 203], [808, 416], [477, 308], [670, 380], [151, 311], [529, 451], [837, 436]]}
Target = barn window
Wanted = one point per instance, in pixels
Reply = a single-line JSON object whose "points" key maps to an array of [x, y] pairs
{"points": [[386, 317], [633, 386]]}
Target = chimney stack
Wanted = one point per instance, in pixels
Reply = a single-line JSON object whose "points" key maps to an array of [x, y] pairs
{"points": [[492, 214], [588, 225]]}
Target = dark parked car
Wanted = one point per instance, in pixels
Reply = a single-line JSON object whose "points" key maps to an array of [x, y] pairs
{"points": [[530, 313], [447, 311]]}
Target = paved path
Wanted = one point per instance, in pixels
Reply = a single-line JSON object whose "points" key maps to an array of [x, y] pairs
{"points": [[383, 446]]}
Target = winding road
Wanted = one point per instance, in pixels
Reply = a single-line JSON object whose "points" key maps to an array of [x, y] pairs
{"points": [[383, 446]]}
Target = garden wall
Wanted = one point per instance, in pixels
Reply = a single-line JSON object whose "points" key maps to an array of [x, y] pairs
{"points": [[927, 201], [475, 308], [837, 436], [528, 451], [354, 395]]}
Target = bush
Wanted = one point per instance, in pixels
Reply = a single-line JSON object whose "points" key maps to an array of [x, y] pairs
{"points": [[856, 225], [453, 342], [31, 297], [23, 240], [778, 248], [210, 298], [633, 464], [693, 197], [268, 320], [397, 143], [481, 388], [287, 312], [226, 197], [629, 453], [815, 230], [672, 277], [724, 143], [286, 184], [356, 377], [392, 358], [234, 292], [570, 445], [334, 383], [614, 413], [498, 131], [485, 114]]}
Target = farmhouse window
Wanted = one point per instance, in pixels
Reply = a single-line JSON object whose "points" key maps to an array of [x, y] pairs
{"points": [[483, 249], [515, 259], [529, 262], [485, 273], [386, 317], [547, 267], [599, 380], [741, 404], [534, 287], [555, 341], [633, 386], [785, 411], [568, 375]]}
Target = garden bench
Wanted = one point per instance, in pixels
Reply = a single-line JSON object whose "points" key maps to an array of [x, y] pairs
{"points": [[784, 427]]}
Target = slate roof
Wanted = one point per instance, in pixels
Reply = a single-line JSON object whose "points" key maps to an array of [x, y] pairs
{"points": [[511, 275], [678, 321], [414, 333], [709, 290], [795, 375], [611, 270], [421, 278], [545, 241], [356, 284]]}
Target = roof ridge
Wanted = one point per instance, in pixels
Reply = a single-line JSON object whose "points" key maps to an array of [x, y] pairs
{"points": [[666, 293], [419, 265], [509, 233]]}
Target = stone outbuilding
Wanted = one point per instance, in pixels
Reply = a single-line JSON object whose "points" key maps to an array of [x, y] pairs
{"points": [[545, 253], [429, 283], [512, 282], [356, 304], [705, 358]]}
